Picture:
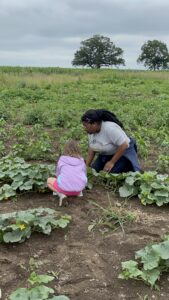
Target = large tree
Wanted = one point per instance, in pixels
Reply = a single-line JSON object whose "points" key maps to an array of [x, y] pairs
{"points": [[98, 51], [154, 55]]}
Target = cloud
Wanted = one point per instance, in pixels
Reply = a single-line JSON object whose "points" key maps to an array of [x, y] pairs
{"points": [[53, 29]]}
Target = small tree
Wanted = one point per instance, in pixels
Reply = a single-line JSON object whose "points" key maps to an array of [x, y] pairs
{"points": [[98, 51], [154, 55]]}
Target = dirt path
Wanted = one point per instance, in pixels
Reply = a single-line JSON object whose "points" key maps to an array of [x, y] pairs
{"points": [[88, 262]]}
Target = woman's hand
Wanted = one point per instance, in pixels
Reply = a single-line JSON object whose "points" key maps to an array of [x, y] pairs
{"points": [[108, 166], [119, 152]]}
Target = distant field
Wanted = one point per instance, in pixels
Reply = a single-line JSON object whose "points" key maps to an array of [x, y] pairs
{"points": [[56, 98], [40, 108]]}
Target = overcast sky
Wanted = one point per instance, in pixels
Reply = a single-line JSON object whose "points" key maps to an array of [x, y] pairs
{"points": [[48, 32]]}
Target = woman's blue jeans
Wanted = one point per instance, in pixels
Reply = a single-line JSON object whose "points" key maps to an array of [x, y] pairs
{"points": [[122, 165]]}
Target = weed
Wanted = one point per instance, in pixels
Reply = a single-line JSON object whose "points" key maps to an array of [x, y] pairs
{"points": [[111, 217], [34, 117]]}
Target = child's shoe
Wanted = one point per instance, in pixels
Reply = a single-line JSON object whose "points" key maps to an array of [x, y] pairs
{"points": [[61, 197], [80, 194]]}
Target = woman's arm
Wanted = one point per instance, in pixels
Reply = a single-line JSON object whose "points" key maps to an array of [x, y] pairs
{"points": [[119, 152], [90, 157]]}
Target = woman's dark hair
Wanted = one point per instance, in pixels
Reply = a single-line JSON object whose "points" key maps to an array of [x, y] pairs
{"points": [[99, 115]]}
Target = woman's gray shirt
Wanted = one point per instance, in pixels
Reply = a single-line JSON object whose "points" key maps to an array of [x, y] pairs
{"points": [[108, 139]]}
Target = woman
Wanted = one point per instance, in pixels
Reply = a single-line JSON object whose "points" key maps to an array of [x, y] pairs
{"points": [[117, 152]]}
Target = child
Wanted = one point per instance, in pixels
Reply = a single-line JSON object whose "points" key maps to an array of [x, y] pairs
{"points": [[71, 176]]}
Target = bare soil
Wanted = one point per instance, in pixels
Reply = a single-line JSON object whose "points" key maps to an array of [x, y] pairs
{"points": [[88, 262]]}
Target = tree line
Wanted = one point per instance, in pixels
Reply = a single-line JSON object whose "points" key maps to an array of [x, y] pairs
{"points": [[99, 51]]}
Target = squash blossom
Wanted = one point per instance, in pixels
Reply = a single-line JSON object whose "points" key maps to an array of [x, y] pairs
{"points": [[22, 226]]}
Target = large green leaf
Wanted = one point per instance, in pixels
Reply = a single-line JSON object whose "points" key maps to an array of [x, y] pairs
{"points": [[149, 258], [16, 184], [130, 270], [162, 249], [38, 279], [130, 180], [156, 185], [126, 191], [62, 222], [40, 292], [25, 216], [18, 177], [13, 237], [8, 191], [26, 186], [145, 188], [20, 294], [151, 276], [35, 294], [162, 193]]}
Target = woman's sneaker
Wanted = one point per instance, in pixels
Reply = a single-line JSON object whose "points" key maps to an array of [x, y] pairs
{"points": [[80, 194]]}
